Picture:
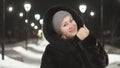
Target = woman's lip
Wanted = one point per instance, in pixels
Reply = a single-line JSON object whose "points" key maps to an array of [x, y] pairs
{"points": [[73, 30]]}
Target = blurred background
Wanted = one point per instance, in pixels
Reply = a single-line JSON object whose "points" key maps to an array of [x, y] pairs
{"points": [[21, 23]]}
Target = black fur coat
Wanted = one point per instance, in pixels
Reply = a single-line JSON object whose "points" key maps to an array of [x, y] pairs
{"points": [[73, 53]]}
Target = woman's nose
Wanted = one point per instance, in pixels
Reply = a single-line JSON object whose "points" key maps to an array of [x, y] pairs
{"points": [[71, 25]]}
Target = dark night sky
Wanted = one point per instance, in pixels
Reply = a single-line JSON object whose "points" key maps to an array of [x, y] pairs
{"points": [[13, 21]]}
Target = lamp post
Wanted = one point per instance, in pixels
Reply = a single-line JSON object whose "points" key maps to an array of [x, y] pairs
{"points": [[3, 32], [41, 22], [83, 8], [37, 17], [27, 7], [101, 8]]}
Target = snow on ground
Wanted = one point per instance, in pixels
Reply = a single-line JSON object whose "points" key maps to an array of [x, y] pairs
{"points": [[32, 58], [12, 63], [113, 58], [29, 56], [114, 62]]}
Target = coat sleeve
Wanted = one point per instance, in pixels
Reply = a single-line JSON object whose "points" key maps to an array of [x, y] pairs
{"points": [[47, 59], [96, 50]]}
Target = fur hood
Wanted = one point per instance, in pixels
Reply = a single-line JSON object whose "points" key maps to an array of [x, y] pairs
{"points": [[48, 30]]}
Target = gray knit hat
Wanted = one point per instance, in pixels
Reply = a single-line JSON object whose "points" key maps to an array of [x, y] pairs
{"points": [[58, 18]]}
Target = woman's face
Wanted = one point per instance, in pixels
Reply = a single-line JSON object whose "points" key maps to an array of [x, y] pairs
{"points": [[68, 27]]}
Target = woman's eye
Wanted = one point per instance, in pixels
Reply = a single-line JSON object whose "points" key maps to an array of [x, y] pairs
{"points": [[64, 25]]}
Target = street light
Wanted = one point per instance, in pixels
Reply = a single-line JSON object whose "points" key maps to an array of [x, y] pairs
{"points": [[92, 13], [36, 27], [37, 17], [32, 24], [39, 33], [83, 8], [10, 8], [41, 22], [27, 7], [26, 20], [21, 14]]}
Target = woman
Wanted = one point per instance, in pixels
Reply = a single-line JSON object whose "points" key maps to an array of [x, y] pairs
{"points": [[71, 43]]}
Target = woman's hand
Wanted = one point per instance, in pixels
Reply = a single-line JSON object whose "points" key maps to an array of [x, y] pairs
{"points": [[82, 33]]}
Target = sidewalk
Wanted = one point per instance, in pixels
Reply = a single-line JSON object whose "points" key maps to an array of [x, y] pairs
{"points": [[16, 56], [12, 63]]}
